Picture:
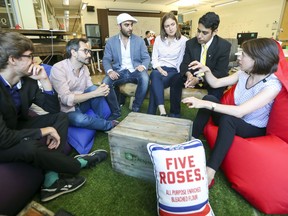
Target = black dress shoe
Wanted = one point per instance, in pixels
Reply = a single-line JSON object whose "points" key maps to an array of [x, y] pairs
{"points": [[164, 115], [114, 116]]}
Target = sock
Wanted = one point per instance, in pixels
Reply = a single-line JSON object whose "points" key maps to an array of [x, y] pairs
{"points": [[82, 162], [50, 178]]}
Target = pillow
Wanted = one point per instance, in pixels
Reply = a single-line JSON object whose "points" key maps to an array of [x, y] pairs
{"points": [[181, 180], [81, 139]]}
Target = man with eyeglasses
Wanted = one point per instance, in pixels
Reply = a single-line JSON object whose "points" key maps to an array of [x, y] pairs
{"points": [[77, 94], [21, 133], [126, 60], [209, 49]]}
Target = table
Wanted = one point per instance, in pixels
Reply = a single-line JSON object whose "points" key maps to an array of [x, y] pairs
{"points": [[128, 141], [98, 60]]}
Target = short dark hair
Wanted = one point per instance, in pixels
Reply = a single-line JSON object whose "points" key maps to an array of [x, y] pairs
{"points": [[147, 32], [13, 44], [163, 34], [210, 20], [265, 53], [74, 44]]}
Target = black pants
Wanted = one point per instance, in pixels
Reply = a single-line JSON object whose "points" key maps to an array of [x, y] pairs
{"points": [[228, 127], [36, 152]]}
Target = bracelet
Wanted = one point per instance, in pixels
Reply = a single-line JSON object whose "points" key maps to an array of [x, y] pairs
{"points": [[213, 106]]}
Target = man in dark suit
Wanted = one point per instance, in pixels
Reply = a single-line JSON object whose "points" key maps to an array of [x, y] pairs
{"points": [[20, 133], [147, 37], [216, 58]]}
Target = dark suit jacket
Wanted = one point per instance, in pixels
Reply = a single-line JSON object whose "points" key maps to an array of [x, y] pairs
{"points": [[217, 59], [9, 119], [146, 41]]}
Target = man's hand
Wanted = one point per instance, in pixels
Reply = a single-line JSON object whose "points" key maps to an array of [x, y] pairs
{"points": [[53, 138], [37, 72], [191, 81], [113, 75], [102, 90], [140, 68]]}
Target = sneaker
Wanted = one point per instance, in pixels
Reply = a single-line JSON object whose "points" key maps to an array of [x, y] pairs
{"points": [[94, 157], [61, 186]]}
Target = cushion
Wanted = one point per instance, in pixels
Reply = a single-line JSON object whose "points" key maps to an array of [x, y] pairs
{"points": [[19, 183], [256, 169], [81, 139], [181, 181]]}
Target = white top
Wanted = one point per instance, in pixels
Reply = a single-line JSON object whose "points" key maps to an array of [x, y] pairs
{"points": [[259, 117], [126, 58], [168, 54]]}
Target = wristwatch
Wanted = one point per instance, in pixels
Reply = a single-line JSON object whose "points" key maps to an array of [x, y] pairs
{"points": [[213, 106]]}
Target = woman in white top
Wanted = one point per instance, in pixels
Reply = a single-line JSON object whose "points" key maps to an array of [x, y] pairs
{"points": [[167, 55], [255, 91]]}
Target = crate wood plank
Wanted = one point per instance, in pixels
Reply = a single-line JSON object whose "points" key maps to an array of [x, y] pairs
{"points": [[128, 141]]}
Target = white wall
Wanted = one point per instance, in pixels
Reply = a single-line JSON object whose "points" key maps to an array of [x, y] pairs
{"points": [[139, 28], [91, 17], [244, 16]]}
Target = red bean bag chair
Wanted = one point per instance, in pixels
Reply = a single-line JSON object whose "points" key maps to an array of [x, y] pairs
{"points": [[257, 167]]}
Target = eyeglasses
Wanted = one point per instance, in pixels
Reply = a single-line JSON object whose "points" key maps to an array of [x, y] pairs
{"points": [[28, 56], [86, 51]]}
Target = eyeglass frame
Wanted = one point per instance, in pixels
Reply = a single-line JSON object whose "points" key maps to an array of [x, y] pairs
{"points": [[31, 56], [86, 51]]}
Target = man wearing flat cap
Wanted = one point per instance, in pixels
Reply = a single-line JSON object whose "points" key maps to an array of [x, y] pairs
{"points": [[126, 60]]}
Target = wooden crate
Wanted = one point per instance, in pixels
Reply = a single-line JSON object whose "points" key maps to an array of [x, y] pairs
{"points": [[129, 139]]}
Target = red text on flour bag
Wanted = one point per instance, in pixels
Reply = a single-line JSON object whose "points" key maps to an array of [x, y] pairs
{"points": [[187, 171]]}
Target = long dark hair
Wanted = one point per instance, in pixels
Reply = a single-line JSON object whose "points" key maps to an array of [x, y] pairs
{"points": [[265, 53], [163, 34]]}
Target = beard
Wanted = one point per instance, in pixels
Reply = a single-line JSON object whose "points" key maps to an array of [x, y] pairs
{"points": [[85, 61], [126, 33]]}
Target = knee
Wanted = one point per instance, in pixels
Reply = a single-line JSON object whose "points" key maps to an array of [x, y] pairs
{"points": [[107, 80], [211, 98]]}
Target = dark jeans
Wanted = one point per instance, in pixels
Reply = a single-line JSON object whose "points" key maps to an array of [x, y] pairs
{"points": [[228, 127], [137, 77], [79, 118], [35, 152], [157, 86]]}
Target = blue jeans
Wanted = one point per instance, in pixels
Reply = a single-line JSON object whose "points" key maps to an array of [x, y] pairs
{"points": [[137, 77], [158, 84], [79, 118]]}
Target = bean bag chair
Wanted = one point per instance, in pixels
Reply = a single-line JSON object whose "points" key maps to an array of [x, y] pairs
{"points": [[19, 183], [82, 139], [257, 167]]}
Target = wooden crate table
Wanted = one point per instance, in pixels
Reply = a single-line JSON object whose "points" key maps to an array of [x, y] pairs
{"points": [[129, 139]]}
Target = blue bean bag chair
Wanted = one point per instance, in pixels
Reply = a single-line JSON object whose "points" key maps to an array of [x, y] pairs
{"points": [[257, 167], [82, 139]]}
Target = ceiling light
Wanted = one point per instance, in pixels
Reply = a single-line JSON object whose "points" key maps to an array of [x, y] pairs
{"points": [[134, 10], [84, 5], [189, 11], [225, 3], [66, 2]]}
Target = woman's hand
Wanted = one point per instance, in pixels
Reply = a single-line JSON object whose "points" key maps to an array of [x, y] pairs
{"points": [[193, 102]]}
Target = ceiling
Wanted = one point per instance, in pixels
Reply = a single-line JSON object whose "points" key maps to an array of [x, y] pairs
{"points": [[74, 7]]}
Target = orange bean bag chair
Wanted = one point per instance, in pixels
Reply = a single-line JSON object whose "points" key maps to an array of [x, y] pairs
{"points": [[257, 167]]}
